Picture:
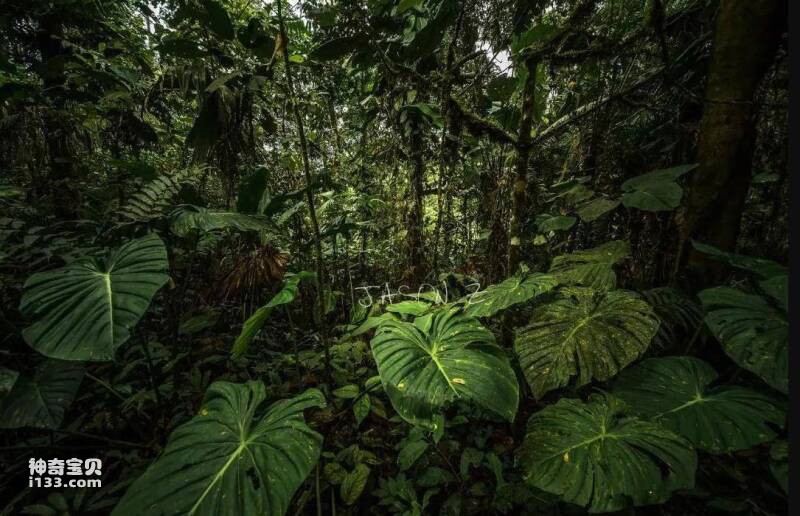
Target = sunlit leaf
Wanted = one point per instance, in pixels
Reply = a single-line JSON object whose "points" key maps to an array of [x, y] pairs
{"points": [[230, 458]]}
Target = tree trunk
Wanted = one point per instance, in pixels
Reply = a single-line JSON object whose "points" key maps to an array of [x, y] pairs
{"points": [[520, 198], [58, 129], [745, 41], [415, 220]]}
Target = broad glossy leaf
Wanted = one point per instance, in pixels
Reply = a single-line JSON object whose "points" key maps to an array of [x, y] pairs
{"points": [[519, 288], [593, 455], [753, 332], [586, 334], [253, 324], [655, 191], [368, 324], [591, 267], [546, 222], [677, 392], [40, 401], [439, 358], [679, 316], [86, 310], [189, 218], [596, 208], [761, 266], [230, 459]]}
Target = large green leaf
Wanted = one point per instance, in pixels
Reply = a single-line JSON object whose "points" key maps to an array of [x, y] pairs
{"points": [[761, 266], [253, 324], [441, 357], [592, 455], [85, 310], [679, 316], [676, 392], [40, 401], [591, 267], [546, 222], [188, 218], [655, 191], [517, 289], [596, 208], [229, 459], [753, 332], [588, 334]]}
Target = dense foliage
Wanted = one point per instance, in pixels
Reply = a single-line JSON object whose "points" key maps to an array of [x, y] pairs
{"points": [[395, 256]]}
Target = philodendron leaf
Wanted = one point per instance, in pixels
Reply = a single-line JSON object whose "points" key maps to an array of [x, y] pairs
{"points": [[439, 358], [519, 288], [591, 267], [753, 332], [546, 222], [253, 324], [596, 208], [676, 392], [188, 218], [593, 455], [40, 401], [760, 266], [85, 310], [230, 458], [655, 191], [587, 334]]}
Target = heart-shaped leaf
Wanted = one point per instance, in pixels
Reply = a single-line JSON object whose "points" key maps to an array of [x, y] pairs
{"points": [[591, 267], [40, 401], [439, 358], [229, 458], [676, 392], [592, 455], [655, 191], [85, 310], [753, 332], [586, 334]]}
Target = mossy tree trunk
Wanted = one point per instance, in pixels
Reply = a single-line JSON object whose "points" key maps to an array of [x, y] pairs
{"points": [[746, 38]]}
